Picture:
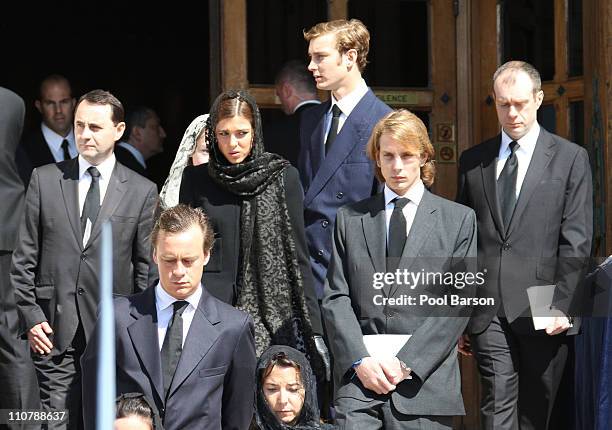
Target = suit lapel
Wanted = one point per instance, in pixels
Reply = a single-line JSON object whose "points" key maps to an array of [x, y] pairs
{"points": [[143, 333], [374, 231], [69, 184], [542, 155], [201, 337], [317, 147], [114, 193], [489, 181], [424, 220], [351, 134]]}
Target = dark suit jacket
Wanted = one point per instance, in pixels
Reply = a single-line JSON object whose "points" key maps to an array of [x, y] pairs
{"points": [[214, 384], [549, 236], [126, 158], [57, 279], [283, 136], [33, 152], [442, 239], [11, 187], [223, 208], [345, 175]]}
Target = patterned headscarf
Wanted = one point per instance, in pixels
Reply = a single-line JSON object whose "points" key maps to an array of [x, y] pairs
{"points": [[169, 195]]}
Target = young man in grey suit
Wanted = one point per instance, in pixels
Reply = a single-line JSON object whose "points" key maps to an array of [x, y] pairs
{"points": [[55, 267], [189, 353], [532, 193], [378, 243], [18, 383]]}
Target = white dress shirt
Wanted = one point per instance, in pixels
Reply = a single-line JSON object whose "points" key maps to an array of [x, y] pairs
{"points": [[106, 169], [524, 153], [163, 304], [414, 194], [135, 152], [346, 105], [54, 142]]}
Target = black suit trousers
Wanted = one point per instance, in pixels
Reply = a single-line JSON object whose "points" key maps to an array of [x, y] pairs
{"points": [[520, 375]]}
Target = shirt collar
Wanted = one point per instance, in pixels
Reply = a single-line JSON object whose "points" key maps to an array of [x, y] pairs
{"points": [[53, 139], [527, 142], [105, 168], [349, 101], [135, 152], [414, 194], [164, 300]]}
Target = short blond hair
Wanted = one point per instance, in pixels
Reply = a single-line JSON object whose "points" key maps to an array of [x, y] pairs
{"points": [[408, 129], [349, 35]]}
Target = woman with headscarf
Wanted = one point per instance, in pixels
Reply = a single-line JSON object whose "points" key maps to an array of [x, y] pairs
{"points": [[259, 262], [193, 150], [285, 397]]}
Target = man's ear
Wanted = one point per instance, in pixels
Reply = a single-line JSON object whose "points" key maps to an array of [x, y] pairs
{"points": [[286, 90], [155, 255], [206, 258], [351, 57], [119, 129], [38, 106]]}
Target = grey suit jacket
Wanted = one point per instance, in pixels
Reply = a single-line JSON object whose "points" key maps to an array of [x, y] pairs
{"points": [[549, 237], [442, 239], [213, 387], [51, 269], [11, 187]]}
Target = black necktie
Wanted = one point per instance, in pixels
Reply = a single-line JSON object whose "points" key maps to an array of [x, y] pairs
{"points": [[506, 185], [173, 344], [333, 130], [92, 200], [397, 233], [65, 145]]}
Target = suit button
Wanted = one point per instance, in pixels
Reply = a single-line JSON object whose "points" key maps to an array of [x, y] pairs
{"points": [[320, 253], [506, 246], [80, 291], [339, 195], [324, 223], [83, 257]]}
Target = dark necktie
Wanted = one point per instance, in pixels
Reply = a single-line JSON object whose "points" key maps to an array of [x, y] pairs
{"points": [[506, 185], [65, 145], [333, 129], [92, 200], [173, 344], [397, 233]]}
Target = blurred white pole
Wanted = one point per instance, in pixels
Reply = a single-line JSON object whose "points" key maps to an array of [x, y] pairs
{"points": [[106, 361]]}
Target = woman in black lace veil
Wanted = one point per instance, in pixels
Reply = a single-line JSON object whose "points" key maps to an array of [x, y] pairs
{"points": [[285, 397], [254, 199]]}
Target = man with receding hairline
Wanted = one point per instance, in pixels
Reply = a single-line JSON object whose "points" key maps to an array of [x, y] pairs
{"points": [[56, 265], [532, 194]]}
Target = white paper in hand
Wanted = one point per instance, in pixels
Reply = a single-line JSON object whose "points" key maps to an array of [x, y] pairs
{"points": [[540, 300], [385, 345]]}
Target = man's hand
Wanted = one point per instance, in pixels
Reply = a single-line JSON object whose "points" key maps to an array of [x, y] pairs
{"points": [[558, 325], [373, 377], [394, 371], [37, 336], [464, 345]]}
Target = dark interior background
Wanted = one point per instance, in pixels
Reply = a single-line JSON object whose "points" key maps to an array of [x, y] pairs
{"points": [[143, 53]]}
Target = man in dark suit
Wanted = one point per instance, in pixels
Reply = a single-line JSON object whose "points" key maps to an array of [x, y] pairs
{"points": [[145, 138], [210, 382], [333, 165], [17, 377], [55, 268], [382, 379], [295, 88], [53, 141], [532, 194]]}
